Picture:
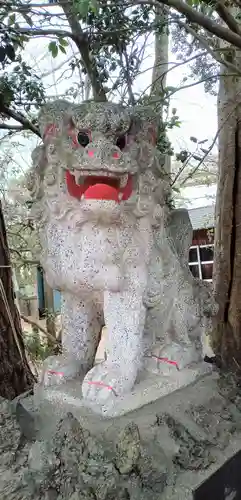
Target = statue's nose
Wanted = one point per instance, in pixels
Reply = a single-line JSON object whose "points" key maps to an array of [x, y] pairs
{"points": [[103, 152]]}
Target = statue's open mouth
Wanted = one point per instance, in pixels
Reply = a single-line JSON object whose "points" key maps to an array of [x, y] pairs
{"points": [[99, 187]]}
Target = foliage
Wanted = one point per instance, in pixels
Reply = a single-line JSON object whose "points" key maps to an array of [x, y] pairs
{"points": [[55, 46], [37, 347], [21, 87], [201, 65], [18, 81], [106, 35], [10, 40], [111, 40], [22, 238]]}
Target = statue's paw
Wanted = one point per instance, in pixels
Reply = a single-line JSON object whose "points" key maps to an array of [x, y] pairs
{"points": [[171, 358], [104, 384], [58, 369]]}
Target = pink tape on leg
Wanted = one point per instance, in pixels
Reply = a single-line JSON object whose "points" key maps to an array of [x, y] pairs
{"points": [[101, 384], [165, 360], [53, 372]]}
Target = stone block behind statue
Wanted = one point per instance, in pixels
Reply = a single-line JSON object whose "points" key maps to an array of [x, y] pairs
{"points": [[114, 249]]}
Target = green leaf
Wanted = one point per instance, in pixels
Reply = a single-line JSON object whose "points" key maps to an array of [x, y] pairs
{"points": [[2, 54], [63, 42], [192, 2], [62, 49], [12, 19], [83, 7], [10, 52], [170, 89], [53, 48], [94, 4]]}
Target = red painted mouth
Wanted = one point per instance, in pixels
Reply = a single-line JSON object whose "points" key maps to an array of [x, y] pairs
{"points": [[99, 188]]}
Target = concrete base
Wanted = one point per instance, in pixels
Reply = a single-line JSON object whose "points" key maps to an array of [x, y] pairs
{"points": [[149, 388], [182, 439]]}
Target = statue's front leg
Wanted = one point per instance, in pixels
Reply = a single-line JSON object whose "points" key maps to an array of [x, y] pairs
{"points": [[81, 329], [125, 318]]}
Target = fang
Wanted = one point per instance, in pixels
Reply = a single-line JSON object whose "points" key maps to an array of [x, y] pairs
{"points": [[123, 181]]}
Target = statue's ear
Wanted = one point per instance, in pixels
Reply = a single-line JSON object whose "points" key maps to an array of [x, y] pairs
{"points": [[54, 116], [145, 124]]}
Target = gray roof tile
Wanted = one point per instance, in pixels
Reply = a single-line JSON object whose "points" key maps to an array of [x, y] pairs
{"points": [[202, 217]]}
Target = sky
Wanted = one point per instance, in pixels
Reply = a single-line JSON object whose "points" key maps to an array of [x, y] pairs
{"points": [[197, 110]]}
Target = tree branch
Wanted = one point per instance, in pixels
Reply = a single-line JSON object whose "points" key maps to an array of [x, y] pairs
{"points": [[196, 17], [83, 44], [27, 125], [47, 32], [206, 46], [37, 325], [127, 74], [23, 260], [208, 151], [227, 18], [16, 128]]}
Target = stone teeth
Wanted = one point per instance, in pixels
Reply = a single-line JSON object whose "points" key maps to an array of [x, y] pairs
{"points": [[76, 176], [123, 180], [120, 195]]}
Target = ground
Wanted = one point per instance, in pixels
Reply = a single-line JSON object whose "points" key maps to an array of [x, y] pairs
{"points": [[160, 452]]}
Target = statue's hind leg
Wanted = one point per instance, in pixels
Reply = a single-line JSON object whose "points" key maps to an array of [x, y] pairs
{"points": [[82, 324], [180, 349]]}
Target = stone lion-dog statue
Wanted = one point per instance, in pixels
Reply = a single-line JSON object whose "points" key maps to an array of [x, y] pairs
{"points": [[113, 247]]}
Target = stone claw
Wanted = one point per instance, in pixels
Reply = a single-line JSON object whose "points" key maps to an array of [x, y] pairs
{"points": [[58, 369], [104, 383]]}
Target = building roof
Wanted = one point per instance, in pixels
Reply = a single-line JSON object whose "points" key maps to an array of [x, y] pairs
{"points": [[202, 217]]}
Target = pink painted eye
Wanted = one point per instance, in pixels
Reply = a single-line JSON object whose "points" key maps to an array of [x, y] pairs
{"points": [[91, 153], [116, 155], [83, 139]]}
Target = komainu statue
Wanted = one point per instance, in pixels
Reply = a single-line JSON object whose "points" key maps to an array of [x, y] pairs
{"points": [[116, 251]]}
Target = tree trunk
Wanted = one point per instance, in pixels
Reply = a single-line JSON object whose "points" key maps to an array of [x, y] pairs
{"points": [[15, 374], [160, 67], [159, 75], [227, 264], [50, 318], [82, 43]]}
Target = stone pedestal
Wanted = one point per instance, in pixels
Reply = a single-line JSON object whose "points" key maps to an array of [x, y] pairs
{"points": [[161, 451], [148, 388]]}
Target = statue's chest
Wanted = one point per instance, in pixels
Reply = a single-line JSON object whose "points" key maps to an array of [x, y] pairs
{"points": [[93, 257]]}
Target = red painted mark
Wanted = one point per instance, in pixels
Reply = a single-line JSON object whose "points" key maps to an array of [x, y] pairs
{"points": [[73, 188], [91, 153], [116, 155], [101, 384], [165, 360], [50, 130], [53, 372], [127, 190], [75, 141]]}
